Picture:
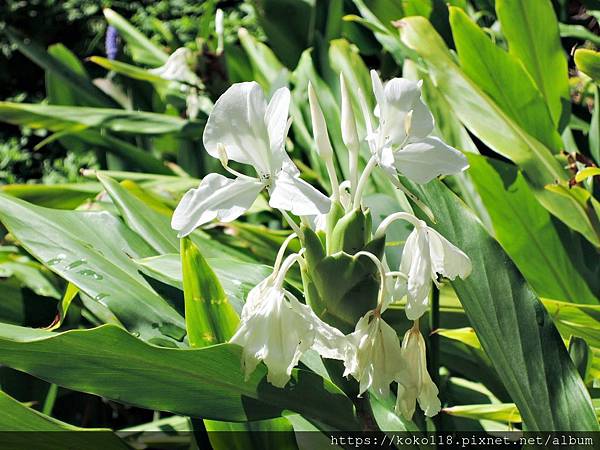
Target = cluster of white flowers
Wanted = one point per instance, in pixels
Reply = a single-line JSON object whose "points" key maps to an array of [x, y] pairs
{"points": [[276, 327]]}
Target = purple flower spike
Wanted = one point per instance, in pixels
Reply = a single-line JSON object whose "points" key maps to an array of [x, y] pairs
{"points": [[111, 43]]}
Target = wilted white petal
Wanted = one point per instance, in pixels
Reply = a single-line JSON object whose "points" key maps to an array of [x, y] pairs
{"points": [[238, 123], [329, 342], [447, 259], [415, 382], [416, 264], [217, 197], [293, 194], [377, 360], [424, 160]]}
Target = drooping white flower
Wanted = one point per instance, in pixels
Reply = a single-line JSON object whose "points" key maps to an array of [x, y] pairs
{"points": [[277, 329], [400, 143], [415, 383], [177, 68], [377, 360], [426, 255], [243, 127]]}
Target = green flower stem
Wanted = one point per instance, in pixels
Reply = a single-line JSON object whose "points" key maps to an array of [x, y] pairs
{"points": [[434, 345]]}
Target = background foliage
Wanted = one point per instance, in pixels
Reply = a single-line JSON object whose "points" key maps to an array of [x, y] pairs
{"points": [[93, 275]]}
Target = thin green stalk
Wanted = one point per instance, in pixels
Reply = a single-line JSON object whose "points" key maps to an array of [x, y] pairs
{"points": [[434, 346]]}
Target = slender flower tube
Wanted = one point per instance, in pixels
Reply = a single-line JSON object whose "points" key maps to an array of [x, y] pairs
{"points": [[244, 128], [277, 329], [415, 383]]}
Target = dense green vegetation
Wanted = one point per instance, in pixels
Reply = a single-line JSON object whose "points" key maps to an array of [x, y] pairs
{"points": [[110, 318]]}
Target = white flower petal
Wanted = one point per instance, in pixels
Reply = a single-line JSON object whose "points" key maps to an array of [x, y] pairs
{"points": [[447, 259], [274, 333], [379, 92], [415, 383], [400, 96], [424, 160], [276, 118], [421, 122], [217, 197], [329, 342], [238, 123], [377, 360], [416, 264], [388, 165], [177, 68], [428, 398], [293, 194], [406, 401]]}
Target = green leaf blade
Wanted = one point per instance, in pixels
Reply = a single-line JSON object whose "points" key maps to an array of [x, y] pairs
{"points": [[209, 317]]}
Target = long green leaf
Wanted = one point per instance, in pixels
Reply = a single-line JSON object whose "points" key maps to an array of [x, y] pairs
{"points": [[24, 427], [94, 251], [142, 49], [588, 61], [153, 227], [138, 158], [59, 196], [502, 76], [490, 124], [574, 319], [128, 70], [60, 118], [531, 30], [206, 382], [525, 230], [515, 330], [236, 277], [80, 85], [209, 317]]}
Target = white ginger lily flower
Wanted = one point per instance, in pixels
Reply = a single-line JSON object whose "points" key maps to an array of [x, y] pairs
{"points": [[401, 143], [426, 255], [177, 68], [377, 359], [277, 329], [244, 128], [415, 382]]}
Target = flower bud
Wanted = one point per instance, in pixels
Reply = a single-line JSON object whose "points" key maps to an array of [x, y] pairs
{"points": [[319, 126], [349, 133]]}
